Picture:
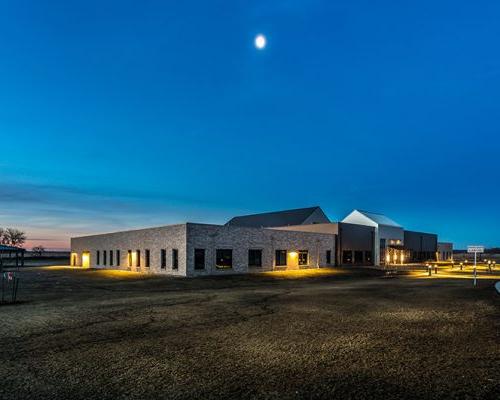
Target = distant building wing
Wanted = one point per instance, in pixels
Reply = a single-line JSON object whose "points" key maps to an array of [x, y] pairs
{"points": [[300, 216]]}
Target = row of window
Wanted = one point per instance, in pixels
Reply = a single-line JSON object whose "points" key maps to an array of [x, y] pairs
{"points": [[356, 257], [137, 255], [223, 258], [105, 258], [175, 259]]}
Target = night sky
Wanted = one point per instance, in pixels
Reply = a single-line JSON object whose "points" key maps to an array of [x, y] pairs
{"points": [[128, 114]]}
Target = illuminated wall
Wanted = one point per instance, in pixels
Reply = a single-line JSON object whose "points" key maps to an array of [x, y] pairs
{"points": [[186, 238]]}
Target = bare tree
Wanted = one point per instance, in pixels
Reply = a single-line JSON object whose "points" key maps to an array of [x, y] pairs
{"points": [[38, 250], [13, 237], [2, 232]]}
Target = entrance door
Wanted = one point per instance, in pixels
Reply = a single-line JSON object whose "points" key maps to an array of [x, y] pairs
{"points": [[86, 259]]}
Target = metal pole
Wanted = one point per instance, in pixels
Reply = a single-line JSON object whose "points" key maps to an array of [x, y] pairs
{"points": [[475, 272]]}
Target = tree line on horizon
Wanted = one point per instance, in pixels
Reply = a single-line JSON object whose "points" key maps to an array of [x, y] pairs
{"points": [[12, 237], [15, 237]]}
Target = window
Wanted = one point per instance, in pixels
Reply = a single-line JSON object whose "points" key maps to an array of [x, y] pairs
{"points": [[118, 258], [129, 258], [111, 257], [147, 258], [199, 258], [163, 258], [104, 254], [224, 258], [347, 257], [175, 259], [303, 257], [254, 258], [138, 258], [368, 257], [280, 258], [328, 256], [358, 257], [98, 257]]}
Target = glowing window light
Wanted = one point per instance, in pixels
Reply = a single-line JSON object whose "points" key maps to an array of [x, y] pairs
{"points": [[85, 259]]}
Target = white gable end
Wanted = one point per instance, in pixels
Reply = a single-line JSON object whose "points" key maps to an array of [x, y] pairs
{"points": [[356, 217]]}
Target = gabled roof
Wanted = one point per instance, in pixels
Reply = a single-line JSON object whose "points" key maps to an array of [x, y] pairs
{"points": [[297, 216], [379, 219]]}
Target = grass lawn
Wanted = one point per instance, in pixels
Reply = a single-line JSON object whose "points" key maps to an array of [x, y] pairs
{"points": [[337, 333]]}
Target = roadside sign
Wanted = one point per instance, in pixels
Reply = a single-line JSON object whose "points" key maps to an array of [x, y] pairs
{"points": [[475, 249]]}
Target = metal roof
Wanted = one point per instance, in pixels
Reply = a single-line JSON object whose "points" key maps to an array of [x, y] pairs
{"points": [[276, 219], [380, 219]]}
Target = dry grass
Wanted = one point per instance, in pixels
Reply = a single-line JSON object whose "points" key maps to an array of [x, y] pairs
{"points": [[314, 334]]}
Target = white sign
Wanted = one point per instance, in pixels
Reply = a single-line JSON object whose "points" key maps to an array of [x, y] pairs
{"points": [[475, 249]]}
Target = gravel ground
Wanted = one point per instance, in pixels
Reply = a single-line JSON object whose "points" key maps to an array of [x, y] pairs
{"points": [[84, 334]]}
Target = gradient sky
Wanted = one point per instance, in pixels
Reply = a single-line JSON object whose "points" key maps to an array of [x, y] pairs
{"points": [[124, 114]]}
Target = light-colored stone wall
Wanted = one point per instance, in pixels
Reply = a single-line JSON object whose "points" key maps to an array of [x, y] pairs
{"points": [[240, 240], [444, 251], [187, 237], [153, 239]]}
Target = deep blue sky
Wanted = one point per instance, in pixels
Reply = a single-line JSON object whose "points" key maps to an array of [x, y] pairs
{"points": [[118, 114]]}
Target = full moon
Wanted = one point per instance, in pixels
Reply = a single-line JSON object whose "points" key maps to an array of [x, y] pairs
{"points": [[260, 41]]}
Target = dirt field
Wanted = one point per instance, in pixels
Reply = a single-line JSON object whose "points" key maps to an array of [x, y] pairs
{"points": [[344, 334]]}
